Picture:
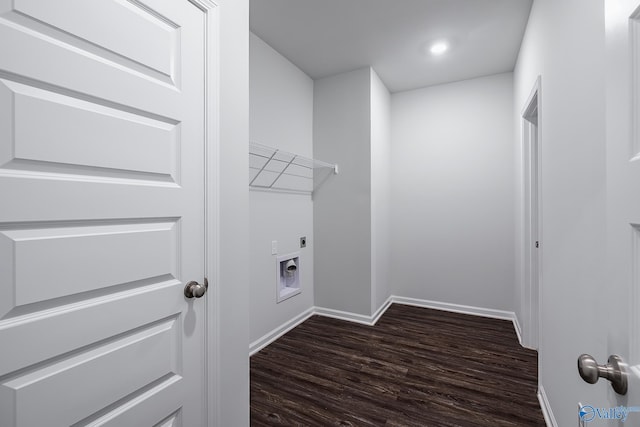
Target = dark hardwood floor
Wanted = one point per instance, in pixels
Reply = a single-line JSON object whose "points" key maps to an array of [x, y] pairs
{"points": [[415, 367]]}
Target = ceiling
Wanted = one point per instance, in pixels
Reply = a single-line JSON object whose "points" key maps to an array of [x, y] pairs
{"points": [[326, 37]]}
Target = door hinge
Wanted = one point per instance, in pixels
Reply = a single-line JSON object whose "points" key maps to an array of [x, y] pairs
{"points": [[537, 244]]}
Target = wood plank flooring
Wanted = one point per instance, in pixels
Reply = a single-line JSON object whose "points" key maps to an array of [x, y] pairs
{"points": [[415, 367]]}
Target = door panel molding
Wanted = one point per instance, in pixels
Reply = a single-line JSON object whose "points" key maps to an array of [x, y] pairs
{"points": [[102, 228]]}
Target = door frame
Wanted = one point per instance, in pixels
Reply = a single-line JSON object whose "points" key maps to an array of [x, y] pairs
{"points": [[211, 393], [532, 215]]}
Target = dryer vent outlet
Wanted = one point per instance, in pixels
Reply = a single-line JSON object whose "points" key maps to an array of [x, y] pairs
{"points": [[287, 276]]}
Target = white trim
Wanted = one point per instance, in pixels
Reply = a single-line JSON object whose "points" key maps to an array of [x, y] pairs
{"points": [[532, 332], [456, 308], [378, 314], [270, 337], [535, 92], [276, 333], [212, 208], [345, 315], [516, 326], [549, 419], [465, 309], [204, 5], [355, 317]]}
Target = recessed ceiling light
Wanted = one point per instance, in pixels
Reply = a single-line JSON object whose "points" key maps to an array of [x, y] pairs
{"points": [[438, 48]]}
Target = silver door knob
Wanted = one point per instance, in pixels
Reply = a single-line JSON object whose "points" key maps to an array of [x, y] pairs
{"points": [[194, 289], [614, 371]]}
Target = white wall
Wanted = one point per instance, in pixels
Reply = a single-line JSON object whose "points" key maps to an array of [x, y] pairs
{"points": [[231, 289], [564, 43], [342, 205], [281, 116], [452, 210], [380, 192]]}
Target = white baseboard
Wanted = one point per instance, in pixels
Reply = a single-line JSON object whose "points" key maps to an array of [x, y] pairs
{"points": [[270, 337], [516, 326], [456, 308], [273, 335], [354, 317], [378, 314], [343, 315], [464, 309], [549, 419]]}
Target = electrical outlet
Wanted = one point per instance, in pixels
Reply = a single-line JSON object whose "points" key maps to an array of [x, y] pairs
{"points": [[303, 242], [274, 247]]}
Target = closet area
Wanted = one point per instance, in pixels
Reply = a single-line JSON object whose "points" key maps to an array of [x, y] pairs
{"points": [[317, 167]]}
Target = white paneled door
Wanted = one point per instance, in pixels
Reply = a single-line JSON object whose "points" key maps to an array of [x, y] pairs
{"points": [[621, 292], [102, 198]]}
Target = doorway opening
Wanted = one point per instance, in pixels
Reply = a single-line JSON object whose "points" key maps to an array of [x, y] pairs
{"points": [[531, 240]]}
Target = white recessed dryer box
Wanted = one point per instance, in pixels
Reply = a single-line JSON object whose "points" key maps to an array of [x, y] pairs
{"points": [[287, 276]]}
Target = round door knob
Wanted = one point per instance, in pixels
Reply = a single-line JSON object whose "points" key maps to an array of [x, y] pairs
{"points": [[614, 371], [194, 289], [588, 368]]}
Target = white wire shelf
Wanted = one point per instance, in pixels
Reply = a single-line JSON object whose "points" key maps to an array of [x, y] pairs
{"points": [[274, 169]]}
